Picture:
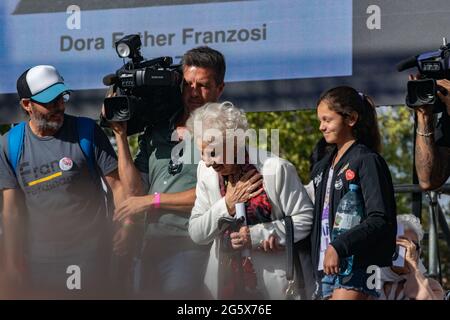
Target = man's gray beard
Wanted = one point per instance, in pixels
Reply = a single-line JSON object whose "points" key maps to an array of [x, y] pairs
{"points": [[45, 125]]}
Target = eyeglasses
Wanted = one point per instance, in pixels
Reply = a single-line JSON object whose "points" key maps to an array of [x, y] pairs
{"points": [[417, 245], [65, 96], [175, 167]]}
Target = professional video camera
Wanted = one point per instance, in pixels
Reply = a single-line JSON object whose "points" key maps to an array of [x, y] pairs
{"points": [[147, 91], [432, 66]]}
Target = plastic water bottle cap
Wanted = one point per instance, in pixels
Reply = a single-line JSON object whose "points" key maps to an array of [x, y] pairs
{"points": [[353, 187]]}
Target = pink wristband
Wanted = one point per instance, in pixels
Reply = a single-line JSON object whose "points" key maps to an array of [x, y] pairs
{"points": [[156, 200], [128, 223]]}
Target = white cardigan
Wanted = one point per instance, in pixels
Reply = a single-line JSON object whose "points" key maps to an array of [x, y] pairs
{"points": [[286, 194]]}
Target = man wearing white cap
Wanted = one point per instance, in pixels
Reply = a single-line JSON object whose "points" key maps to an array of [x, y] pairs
{"points": [[53, 170]]}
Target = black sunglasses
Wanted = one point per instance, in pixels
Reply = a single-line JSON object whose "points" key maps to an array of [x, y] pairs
{"points": [[176, 166]]}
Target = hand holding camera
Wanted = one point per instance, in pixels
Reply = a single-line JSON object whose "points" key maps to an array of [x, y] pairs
{"points": [[443, 86], [426, 109], [428, 88], [118, 127]]}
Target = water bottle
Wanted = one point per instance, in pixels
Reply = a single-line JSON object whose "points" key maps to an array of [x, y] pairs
{"points": [[349, 213]]}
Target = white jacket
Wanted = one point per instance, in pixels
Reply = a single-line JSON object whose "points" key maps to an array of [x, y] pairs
{"points": [[286, 194]]}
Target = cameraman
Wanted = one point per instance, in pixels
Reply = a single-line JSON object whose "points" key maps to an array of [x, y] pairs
{"points": [[173, 266], [433, 148]]}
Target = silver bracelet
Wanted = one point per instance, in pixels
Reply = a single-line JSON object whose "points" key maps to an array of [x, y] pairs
{"points": [[424, 134]]}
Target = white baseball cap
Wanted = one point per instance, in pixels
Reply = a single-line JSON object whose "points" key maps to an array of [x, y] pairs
{"points": [[41, 83]]}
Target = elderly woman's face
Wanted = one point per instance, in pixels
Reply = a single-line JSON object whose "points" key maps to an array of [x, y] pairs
{"points": [[411, 236], [215, 157]]}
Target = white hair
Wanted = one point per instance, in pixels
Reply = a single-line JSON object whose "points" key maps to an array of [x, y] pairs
{"points": [[411, 222], [219, 116]]}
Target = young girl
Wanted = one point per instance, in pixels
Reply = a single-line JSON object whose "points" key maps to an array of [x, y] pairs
{"points": [[348, 122]]}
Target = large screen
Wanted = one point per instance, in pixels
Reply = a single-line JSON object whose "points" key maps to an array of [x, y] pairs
{"points": [[280, 54], [261, 40]]}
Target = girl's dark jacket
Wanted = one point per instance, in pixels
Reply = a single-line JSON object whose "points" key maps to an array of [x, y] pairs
{"points": [[372, 242]]}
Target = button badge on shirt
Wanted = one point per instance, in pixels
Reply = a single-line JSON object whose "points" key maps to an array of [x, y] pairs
{"points": [[338, 184], [349, 175], [318, 179], [65, 164]]}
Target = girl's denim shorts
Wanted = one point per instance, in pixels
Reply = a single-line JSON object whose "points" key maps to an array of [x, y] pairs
{"points": [[356, 280]]}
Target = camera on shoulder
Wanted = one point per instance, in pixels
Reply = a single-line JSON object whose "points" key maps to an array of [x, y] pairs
{"points": [[147, 91]]}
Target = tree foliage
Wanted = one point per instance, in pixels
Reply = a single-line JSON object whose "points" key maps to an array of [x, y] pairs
{"points": [[298, 134]]}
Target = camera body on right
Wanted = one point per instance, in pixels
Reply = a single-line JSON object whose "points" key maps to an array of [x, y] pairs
{"points": [[432, 66]]}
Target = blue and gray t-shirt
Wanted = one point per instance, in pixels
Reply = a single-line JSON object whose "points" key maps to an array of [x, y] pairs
{"points": [[67, 216]]}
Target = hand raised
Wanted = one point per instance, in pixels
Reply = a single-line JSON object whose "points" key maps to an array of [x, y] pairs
{"points": [[241, 189]]}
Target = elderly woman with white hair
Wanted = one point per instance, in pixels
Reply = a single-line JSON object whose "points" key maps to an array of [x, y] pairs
{"points": [[246, 260], [409, 282]]}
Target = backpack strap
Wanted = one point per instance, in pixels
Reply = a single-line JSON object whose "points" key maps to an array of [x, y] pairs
{"points": [[15, 144], [85, 127]]}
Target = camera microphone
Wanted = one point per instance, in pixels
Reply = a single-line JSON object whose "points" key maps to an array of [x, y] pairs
{"points": [[110, 79], [407, 63]]}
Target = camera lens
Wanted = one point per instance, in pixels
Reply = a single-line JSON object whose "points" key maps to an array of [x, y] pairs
{"points": [[425, 92], [122, 112], [117, 108], [421, 92]]}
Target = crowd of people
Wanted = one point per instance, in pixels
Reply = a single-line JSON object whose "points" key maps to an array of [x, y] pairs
{"points": [[80, 220]]}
